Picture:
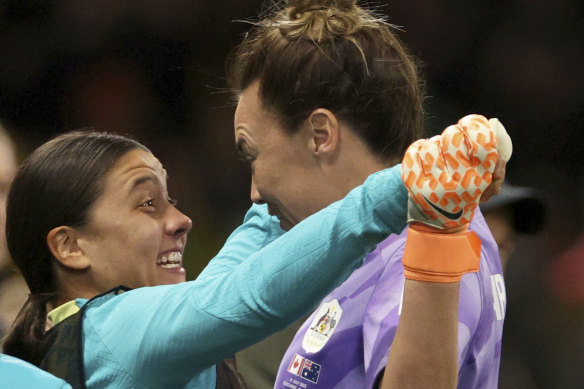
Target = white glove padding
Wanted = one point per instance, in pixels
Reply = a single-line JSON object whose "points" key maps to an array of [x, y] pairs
{"points": [[504, 143], [447, 174]]}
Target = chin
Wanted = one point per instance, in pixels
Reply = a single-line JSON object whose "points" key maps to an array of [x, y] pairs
{"points": [[285, 225]]}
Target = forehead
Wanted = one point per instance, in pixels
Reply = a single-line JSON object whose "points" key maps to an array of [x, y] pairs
{"points": [[249, 104], [135, 163], [253, 122]]}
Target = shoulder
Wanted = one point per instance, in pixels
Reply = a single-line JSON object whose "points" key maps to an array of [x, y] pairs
{"points": [[384, 302], [482, 294], [136, 304], [389, 250], [480, 227], [17, 373]]}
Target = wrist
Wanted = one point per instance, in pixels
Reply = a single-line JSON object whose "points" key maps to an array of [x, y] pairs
{"points": [[440, 257], [421, 227]]}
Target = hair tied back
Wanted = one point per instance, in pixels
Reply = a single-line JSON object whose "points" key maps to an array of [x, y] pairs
{"points": [[299, 14], [297, 8], [319, 21]]}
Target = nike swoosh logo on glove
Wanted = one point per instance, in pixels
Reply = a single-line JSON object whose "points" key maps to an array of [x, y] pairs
{"points": [[449, 215]]}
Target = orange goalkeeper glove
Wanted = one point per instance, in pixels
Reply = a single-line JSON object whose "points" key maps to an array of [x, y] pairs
{"points": [[445, 177]]}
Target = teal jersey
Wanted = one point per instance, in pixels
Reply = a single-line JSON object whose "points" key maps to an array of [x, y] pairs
{"points": [[18, 374], [172, 336]]}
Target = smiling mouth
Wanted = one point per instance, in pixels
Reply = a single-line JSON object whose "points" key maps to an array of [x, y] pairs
{"points": [[172, 260]]}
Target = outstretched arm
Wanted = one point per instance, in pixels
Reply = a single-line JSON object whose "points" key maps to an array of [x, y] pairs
{"points": [[439, 249], [259, 282], [425, 348]]}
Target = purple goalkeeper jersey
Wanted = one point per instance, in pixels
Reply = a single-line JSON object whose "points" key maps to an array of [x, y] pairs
{"points": [[346, 341]]}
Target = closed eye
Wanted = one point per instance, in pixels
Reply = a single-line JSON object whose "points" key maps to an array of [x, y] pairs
{"points": [[246, 153]]}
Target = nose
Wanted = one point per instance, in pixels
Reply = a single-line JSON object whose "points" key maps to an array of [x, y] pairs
{"points": [[255, 195], [177, 223]]}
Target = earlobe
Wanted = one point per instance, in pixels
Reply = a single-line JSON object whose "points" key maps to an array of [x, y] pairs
{"points": [[63, 243], [324, 128]]}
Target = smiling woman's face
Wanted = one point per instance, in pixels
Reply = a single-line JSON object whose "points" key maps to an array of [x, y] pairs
{"points": [[285, 174], [135, 236]]}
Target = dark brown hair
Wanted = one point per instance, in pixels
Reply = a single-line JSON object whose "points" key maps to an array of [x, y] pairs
{"points": [[334, 54], [56, 186]]}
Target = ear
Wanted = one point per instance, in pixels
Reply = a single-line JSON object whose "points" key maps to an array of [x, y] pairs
{"points": [[63, 243], [325, 131]]}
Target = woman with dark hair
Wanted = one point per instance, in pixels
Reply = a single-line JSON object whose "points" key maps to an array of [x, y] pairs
{"points": [[88, 212], [322, 84]]}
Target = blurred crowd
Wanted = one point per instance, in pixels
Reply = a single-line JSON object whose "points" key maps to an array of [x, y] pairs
{"points": [[155, 70]]}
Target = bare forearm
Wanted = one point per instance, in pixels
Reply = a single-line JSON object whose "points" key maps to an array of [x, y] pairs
{"points": [[425, 348]]}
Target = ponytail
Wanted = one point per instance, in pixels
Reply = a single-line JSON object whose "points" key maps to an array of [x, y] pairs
{"points": [[28, 330]]}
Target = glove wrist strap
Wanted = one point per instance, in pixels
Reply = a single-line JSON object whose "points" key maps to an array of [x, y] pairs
{"points": [[440, 257]]}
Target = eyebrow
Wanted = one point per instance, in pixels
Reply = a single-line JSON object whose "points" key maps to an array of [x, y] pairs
{"points": [[147, 177], [141, 180]]}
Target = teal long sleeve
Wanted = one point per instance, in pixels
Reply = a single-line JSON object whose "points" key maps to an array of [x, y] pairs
{"points": [[18, 374], [262, 279]]}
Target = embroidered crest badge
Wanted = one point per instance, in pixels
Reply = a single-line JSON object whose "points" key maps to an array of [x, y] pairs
{"points": [[322, 326]]}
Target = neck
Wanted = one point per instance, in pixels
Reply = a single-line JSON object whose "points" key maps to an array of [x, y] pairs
{"points": [[71, 289], [354, 164]]}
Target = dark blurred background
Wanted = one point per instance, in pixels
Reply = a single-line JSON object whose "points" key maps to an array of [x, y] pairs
{"points": [[155, 70]]}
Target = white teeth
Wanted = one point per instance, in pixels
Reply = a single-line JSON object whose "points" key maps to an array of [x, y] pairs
{"points": [[170, 265], [173, 260], [174, 257]]}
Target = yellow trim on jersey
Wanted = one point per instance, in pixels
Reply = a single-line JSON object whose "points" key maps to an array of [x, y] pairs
{"points": [[62, 312]]}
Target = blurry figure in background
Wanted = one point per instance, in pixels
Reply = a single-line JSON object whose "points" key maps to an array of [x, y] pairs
{"points": [[561, 327], [13, 290], [14, 373], [567, 272], [516, 210]]}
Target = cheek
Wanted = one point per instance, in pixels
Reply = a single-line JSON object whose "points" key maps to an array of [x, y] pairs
{"points": [[137, 251], [130, 245], [146, 239], [265, 178]]}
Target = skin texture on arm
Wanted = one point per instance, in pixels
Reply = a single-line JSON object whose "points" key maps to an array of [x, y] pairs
{"points": [[424, 352]]}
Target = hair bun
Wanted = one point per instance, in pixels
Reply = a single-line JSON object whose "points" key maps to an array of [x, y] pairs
{"points": [[297, 8], [320, 20]]}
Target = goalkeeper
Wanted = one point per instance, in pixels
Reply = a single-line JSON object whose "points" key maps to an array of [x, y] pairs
{"points": [[398, 320], [327, 94]]}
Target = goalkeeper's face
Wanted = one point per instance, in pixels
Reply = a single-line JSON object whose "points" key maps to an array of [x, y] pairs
{"points": [[286, 173]]}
